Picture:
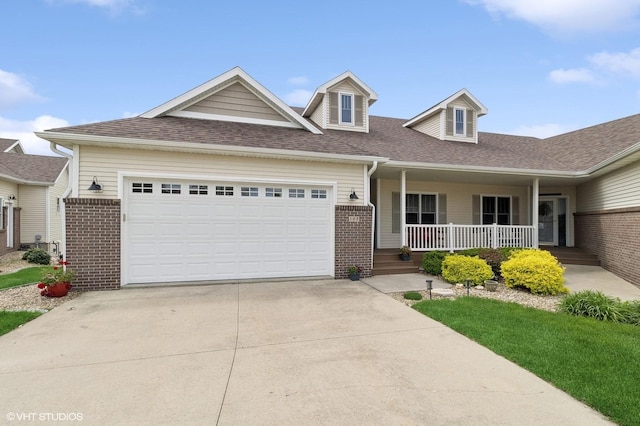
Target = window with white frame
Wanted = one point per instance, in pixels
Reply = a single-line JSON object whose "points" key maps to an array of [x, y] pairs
{"points": [[496, 210], [319, 193], [273, 192], [296, 193], [224, 190], [459, 123], [421, 209], [171, 188], [346, 108], [198, 189], [142, 188], [249, 191]]}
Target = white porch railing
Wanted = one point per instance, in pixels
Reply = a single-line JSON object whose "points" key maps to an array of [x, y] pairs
{"points": [[461, 237]]}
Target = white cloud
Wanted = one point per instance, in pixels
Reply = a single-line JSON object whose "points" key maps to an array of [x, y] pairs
{"points": [[113, 6], [299, 97], [23, 131], [14, 90], [576, 75], [298, 81], [619, 63], [542, 130], [567, 16]]}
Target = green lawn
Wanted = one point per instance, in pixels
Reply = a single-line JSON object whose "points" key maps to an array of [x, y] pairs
{"points": [[23, 276], [596, 362], [11, 320]]}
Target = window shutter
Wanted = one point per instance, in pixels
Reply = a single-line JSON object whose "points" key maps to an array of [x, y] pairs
{"points": [[359, 110], [515, 210], [449, 122], [333, 108], [395, 212], [442, 209], [470, 123], [475, 207]]}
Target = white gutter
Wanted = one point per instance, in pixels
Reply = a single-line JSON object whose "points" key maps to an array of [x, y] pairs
{"points": [[370, 204], [482, 169], [65, 194]]}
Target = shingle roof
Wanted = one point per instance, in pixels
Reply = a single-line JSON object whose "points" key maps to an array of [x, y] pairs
{"points": [[6, 143], [387, 138], [31, 168]]}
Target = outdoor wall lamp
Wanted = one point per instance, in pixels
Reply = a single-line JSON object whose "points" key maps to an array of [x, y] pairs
{"points": [[353, 195], [12, 197], [95, 186]]}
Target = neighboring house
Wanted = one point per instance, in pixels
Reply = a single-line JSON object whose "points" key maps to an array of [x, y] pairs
{"points": [[31, 189], [227, 182]]}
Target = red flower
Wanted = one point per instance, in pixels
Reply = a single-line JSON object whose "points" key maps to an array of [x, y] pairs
{"points": [[43, 293], [41, 285]]}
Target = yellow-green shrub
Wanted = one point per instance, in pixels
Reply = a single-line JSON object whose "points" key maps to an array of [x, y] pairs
{"points": [[457, 269], [537, 270]]}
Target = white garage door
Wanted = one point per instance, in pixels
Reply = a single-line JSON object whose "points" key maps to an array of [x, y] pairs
{"points": [[185, 231]]}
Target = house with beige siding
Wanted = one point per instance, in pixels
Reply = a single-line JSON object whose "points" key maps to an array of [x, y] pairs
{"points": [[31, 192], [226, 182]]}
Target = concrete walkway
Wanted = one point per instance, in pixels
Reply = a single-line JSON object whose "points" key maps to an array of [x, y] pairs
{"points": [[315, 352], [577, 277]]}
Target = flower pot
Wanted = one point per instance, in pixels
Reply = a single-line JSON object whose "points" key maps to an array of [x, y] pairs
{"points": [[354, 277], [405, 257], [57, 290], [491, 285]]}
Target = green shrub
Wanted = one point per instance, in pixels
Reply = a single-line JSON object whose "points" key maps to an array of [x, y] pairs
{"points": [[493, 257], [472, 252], [537, 270], [508, 251], [432, 262], [38, 256], [412, 295], [457, 269], [596, 304]]}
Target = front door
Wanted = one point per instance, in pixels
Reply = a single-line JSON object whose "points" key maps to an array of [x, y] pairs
{"points": [[548, 221]]}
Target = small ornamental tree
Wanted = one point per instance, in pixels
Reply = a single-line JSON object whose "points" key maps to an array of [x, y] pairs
{"points": [[458, 269], [534, 269]]}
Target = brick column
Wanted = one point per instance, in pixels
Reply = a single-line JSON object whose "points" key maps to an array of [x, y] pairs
{"points": [[353, 239], [93, 242], [614, 236]]}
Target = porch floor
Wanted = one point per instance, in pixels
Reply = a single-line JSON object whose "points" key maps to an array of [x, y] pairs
{"points": [[387, 261]]}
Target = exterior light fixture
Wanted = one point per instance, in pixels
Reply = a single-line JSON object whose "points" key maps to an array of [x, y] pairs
{"points": [[95, 186], [12, 197], [353, 195], [429, 287], [467, 284]]}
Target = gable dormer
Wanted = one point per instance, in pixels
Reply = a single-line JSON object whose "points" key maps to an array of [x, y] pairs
{"points": [[233, 96], [341, 104], [453, 119]]}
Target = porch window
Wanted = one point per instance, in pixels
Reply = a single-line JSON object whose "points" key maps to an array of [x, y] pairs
{"points": [[496, 210]]}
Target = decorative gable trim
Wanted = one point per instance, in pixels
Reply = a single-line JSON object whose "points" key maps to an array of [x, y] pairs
{"points": [[177, 105]]}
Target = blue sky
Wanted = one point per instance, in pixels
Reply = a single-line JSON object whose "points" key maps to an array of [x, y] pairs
{"points": [[541, 68]]}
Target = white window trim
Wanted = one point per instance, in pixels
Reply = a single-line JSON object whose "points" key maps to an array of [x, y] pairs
{"points": [[455, 121], [420, 194], [353, 109], [495, 197]]}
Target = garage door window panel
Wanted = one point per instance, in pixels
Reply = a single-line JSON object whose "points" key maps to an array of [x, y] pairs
{"points": [[141, 188], [171, 188], [226, 191]]}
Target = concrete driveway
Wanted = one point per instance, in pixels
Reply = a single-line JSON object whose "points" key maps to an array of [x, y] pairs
{"points": [[299, 352]]}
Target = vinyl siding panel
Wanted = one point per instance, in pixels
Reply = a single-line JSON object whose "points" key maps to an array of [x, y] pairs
{"points": [[346, 87], [8, 188], [106, 163], [318, 114], [236, 101], [33, 214], [55, 218], [430, 126], [618, 189], [459, 201]]}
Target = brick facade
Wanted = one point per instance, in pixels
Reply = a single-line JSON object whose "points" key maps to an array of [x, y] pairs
{"points": [[614, 236], [353, 239], [93, 242], [16, 231]]}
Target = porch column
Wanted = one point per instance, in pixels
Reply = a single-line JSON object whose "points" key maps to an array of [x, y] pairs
{"points": [[403, 207], [534, 210]]}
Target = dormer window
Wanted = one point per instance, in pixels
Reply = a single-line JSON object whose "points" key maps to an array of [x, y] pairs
{"points": [[460, 121], [346, 108]]}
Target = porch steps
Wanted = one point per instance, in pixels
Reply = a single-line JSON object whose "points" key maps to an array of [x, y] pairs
{"points": [[387, 262], [573, 256]]}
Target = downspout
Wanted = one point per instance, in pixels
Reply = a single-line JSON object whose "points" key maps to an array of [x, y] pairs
{"points": [[370, 204], [65, 194]]}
